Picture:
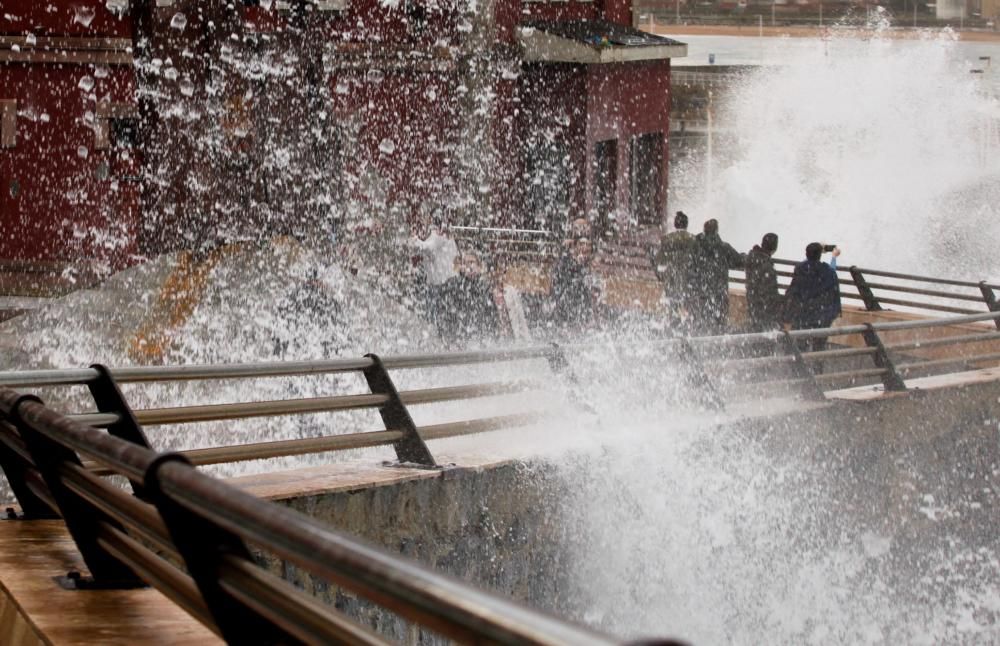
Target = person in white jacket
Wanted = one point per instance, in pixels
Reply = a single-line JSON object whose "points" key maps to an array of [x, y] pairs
{"points": [[438, 253]]}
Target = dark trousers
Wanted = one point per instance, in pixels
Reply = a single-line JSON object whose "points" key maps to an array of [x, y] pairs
{"points": [[816, 344]]}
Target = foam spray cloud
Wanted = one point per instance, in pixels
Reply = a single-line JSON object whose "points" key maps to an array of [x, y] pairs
{"points": [[887, 147]]}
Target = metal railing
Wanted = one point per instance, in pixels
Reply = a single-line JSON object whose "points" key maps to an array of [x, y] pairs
{"points": [[875, 288], [55, 465]]}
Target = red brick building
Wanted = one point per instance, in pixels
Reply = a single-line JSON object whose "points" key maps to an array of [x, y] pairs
{"points": [[145, 125]]}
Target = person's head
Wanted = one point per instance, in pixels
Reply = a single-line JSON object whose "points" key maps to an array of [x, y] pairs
{"points": [[711, 226], [681, 221], [814, 251], [769, 242], [583, 248]]}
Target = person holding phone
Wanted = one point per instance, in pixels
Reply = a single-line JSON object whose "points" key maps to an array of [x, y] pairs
{"points": [[812, 300]]}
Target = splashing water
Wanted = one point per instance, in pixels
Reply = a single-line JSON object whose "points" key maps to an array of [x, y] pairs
{"points": [[886, 147]]}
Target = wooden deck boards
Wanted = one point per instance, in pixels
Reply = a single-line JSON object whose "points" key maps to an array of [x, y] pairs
{"points": [[34, 609]]}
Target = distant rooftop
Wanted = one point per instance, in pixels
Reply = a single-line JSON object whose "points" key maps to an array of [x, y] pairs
{"points": [[593, 41], [601, 32]]}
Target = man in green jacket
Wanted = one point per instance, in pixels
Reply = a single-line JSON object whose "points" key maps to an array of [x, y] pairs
{"points": [[674, 262]]}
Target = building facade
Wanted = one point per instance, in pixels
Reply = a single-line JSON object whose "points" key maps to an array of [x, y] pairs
{"points": [[137, 127]]}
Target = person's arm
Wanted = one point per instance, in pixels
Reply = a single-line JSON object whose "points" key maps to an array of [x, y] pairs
{"points": [[833, 257], [735, 259]]}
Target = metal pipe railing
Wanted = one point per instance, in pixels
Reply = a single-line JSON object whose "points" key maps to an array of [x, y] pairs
{"points": [[416, 593], [299, 614], [947, 340], [410, 590], [171, 582]]}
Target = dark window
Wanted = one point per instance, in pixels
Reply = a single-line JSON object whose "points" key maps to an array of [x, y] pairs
{"points": [[548, 175], [644, 172], [124, 132], [605, 181]]}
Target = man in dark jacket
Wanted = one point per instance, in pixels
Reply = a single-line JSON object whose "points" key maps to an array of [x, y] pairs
{"points": [[713, 260], [765, 304], [572, 291], [813, 299]]}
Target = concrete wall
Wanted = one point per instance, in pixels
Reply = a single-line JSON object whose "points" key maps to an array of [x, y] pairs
{"points": [[493, 526], [499, 526]]}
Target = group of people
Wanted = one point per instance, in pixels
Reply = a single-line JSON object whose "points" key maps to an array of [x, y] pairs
{"points": [[695, 274], [462, 302], [458, 294]]}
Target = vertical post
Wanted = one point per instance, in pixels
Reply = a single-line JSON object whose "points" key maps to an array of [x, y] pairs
{"points": [[558, 364], [204, 546], [810, 387], [698, 378], [109, 399], [16, 467], [871, 303], [82, 520], [891, 379], [991, 301], [395, 416]]}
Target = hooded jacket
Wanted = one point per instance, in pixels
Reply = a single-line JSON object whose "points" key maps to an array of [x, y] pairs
{"points": [[813, 298]]}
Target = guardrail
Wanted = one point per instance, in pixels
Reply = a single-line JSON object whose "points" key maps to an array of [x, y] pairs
{"points": [[55, 465], [58, 465], [874, 289]]}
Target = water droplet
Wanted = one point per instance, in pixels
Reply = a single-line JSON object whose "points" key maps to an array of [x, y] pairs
{"points": [[179, 21], [187, 87], [30, 39], [86, 83], [82, 152], [387, 146], [342, 87], [170, 73], [84, 15], [431, 94], [374, 75]]}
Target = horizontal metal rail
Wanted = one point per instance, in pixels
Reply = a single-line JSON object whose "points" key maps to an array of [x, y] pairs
{"points": [[947, 340], [934, 363], [245, 410], [368, 439], [82, 376], [851, 374], [301, 615], [174, 584], [922, 292], [842, 353], [927, 306]]}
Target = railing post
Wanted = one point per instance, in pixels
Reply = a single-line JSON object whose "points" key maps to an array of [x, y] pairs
{"points": [[558, 364], [16, 468], [891, 379], [698, 378], [204, 546], [82, 520], [810, 387], [395, 416], [991, 301], [871, 303], [109, 399]]}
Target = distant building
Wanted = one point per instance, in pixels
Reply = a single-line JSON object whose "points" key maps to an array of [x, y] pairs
{"points": [[141, 126]]}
